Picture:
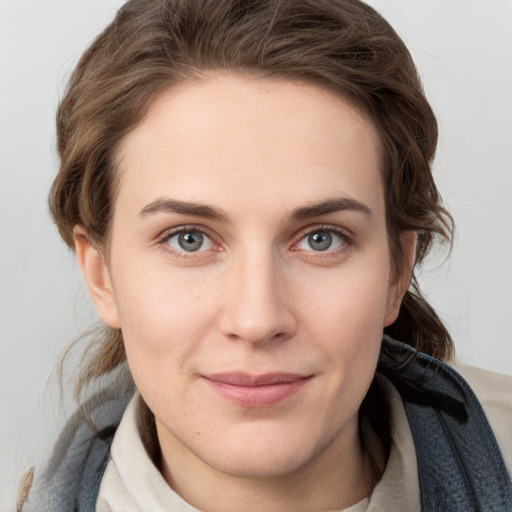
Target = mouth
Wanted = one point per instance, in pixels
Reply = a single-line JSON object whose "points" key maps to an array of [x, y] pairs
{"points": [[249, 390]]}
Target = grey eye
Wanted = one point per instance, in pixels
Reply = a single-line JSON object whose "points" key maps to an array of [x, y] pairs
{"points": [[190, 241], [320, 240]]}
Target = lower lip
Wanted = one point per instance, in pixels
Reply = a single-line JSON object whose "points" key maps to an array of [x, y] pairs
{"points": [[258, 396]]}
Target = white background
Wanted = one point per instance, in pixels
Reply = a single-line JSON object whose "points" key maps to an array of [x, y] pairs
{"points": [[464, 51]]}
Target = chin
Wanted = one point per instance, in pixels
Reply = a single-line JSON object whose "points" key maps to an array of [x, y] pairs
{"points": [[261, 464], [266, 454]]}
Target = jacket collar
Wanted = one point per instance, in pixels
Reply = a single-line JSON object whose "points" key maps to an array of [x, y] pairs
{"points": [[460, 465]]}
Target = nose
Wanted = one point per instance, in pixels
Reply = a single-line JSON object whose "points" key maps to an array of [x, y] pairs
{"points": [[257, 307]]}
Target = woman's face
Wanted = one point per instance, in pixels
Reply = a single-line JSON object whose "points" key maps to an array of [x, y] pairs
{"points": [[249, 272]]}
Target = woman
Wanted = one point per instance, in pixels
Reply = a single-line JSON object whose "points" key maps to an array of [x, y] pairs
{"points": [[248, 189]]}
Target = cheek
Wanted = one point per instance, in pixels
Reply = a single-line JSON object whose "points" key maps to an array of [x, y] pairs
{"points": [[347, 312], [164, 315], [354, 297]]}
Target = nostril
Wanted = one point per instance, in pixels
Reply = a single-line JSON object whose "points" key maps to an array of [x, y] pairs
{"points": [[276, 329]]}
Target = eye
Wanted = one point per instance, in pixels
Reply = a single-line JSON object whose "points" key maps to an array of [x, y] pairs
{"points": [[321, 240], [190, 240]]}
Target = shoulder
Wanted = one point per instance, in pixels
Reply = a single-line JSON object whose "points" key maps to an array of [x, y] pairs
{"points": [[69, 480], [494, 392], [461, 429]]}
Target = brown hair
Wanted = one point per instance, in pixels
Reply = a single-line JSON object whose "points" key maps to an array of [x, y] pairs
{"points": [[344, 45]]}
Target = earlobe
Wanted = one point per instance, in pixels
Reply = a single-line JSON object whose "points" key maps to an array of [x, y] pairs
{"points": [[97, 277], [400, 283]]}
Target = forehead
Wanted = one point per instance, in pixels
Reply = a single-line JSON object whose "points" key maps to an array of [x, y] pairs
{"points": [[232, 139]]}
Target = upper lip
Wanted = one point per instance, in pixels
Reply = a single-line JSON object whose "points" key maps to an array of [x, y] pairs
{"points": [[247, 379]]}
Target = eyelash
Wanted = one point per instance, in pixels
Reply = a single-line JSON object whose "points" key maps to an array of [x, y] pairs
{"points": [[344, 235], [167, 235], [346, 238]]}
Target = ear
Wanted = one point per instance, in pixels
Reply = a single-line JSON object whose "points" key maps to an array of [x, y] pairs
{"points": [[97, 277], [399, 283]]}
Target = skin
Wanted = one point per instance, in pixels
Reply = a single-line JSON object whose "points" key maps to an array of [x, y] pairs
{"points": [[258, 296]]}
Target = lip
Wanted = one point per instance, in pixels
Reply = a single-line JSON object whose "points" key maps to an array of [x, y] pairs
{"points": [[250, 390]]}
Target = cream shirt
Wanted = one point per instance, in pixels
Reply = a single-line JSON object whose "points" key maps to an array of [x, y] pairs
{"points": [[132, 483]]}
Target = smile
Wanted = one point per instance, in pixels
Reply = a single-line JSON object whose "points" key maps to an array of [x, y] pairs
{"points": [[256, 390]]}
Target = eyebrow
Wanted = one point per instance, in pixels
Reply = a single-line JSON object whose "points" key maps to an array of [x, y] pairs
{"points": [[184, 208], [167, 205], [330, 206]]}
